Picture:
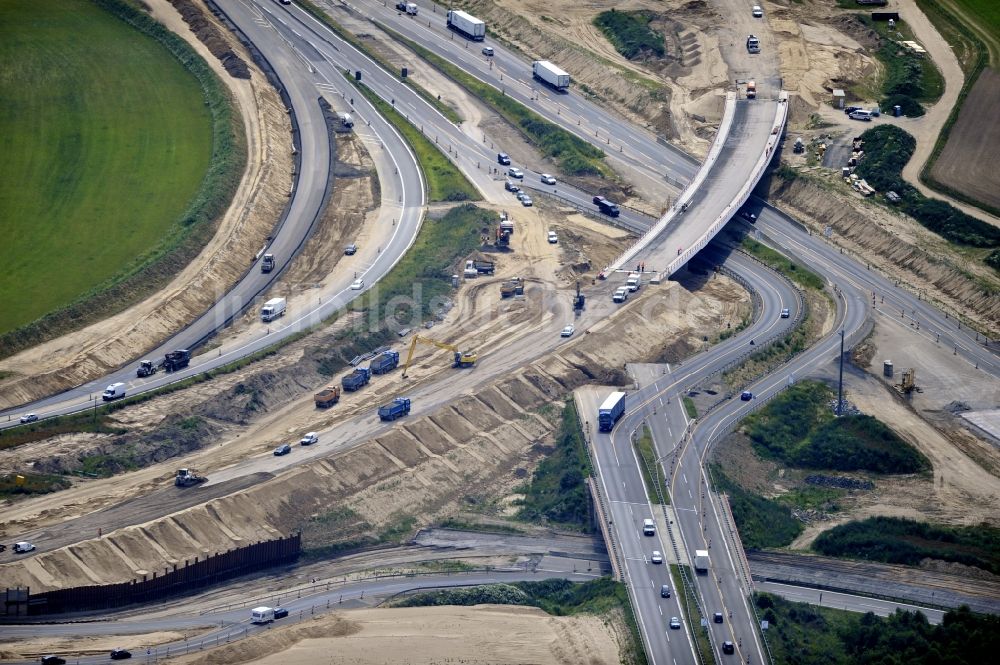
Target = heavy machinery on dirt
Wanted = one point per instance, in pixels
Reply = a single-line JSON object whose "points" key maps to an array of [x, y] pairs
{"points": [[579, 300], [462, 359], [188, 478], [512, 287], [327, 397]]}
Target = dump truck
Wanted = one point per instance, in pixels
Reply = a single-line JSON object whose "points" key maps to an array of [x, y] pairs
{"points": [[267, 263], [356, 379], [610, 411], [114, 391], [146, 368], [547, 73], [512, 287], [384, 362], [466, 24], [272, 309], [701, 562], [751, 90], [327, 397], [397, 408], [187, 478], [176, 360]]}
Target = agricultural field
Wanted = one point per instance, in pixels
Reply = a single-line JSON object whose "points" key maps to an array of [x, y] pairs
{"points": [[106, 139]]}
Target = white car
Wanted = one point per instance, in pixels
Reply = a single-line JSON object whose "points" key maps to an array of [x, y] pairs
{"points": [[515, 172], [675, 623], [29, 418], [656, 557], [487, 50], [757, 12], [358, 284], [548, 179], [309, 439], [526, 201], [568, 331], [553, 238], [785, 313]]}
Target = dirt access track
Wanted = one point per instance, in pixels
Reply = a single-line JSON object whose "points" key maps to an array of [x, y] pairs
{"points": [[86, 354]]}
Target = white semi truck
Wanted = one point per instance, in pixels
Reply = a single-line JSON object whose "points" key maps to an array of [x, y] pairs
{"points": [[272, 309], [546, 72], [467, 24]]}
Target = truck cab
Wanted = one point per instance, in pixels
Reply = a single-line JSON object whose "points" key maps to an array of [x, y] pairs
{"points": [[267, 263], [634, 282]]}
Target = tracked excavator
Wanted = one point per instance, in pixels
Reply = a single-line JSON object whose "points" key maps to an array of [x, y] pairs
{"points": [[462, 359]]}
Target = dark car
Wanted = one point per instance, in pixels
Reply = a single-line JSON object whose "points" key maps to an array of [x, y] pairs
{"points": [[282, 450], [664, 591], [280, 612], [717, 617], [749, 216], [121, 654], [351, 249], [727, 647], [850, 109], [53, 660], [746, 395], [503, 158]]}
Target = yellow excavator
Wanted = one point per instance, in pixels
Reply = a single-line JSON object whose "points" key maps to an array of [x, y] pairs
{"points": [[462, 358]]}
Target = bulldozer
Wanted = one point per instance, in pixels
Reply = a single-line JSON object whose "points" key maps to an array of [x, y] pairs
{"points": [[462, 359], [188, 478]]}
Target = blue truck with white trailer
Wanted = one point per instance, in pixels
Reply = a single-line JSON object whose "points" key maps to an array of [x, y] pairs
{"points": [[611, 411]]}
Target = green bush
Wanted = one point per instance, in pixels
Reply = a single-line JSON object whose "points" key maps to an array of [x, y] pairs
{"points": [[799, 429], [887, 150], [558, 491], [897, 540], [630, 34], [761, 522], [803, 634]]}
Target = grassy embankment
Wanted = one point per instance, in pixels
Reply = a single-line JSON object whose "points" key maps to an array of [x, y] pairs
{"points": [[798, 429], [556, 597], [630, 34], [903, 541], [557, 492], [96, 148], [803, 633], [908, 80], [352, 39], [651, 475], [573, 155], [887, 150]]}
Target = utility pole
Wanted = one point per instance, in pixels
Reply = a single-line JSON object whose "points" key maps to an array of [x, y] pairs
{"points": [[840, 387]]}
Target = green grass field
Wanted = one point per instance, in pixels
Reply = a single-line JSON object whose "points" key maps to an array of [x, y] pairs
{"points": [[106, 139], [986, 14]]}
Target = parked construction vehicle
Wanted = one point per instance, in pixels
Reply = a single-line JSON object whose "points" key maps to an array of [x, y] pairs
{"points": [[327, 397], [462, 359], [384, 362], [187, 478], [579, 300], [267, 264], [512, 287], [146, 368], [397, 408], [357, 379], [176, 360], [909, 383]]}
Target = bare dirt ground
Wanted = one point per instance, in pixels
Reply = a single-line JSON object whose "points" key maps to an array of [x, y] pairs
{"points": [[83, 355], [430, 635], [964, 164], [896, 245]]}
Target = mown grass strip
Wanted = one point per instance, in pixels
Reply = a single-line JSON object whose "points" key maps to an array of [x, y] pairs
{"points": [[647, 465], [692, 613], [148, 268], [444, 109], [573, 155], [444, 181], [690, 408]]}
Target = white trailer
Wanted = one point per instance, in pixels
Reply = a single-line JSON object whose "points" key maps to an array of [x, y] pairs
{"points": [[467, 24], [546, 72], [262, 615], [272, 309], [114, 391], [701, 561]]}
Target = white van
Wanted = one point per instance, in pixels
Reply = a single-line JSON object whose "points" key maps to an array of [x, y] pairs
{"points": [[22, 547], [648, 528], [861, 114], [633, 282]]}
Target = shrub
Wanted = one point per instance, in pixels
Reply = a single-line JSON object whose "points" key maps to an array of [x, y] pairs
{"points": [[630, 34]]}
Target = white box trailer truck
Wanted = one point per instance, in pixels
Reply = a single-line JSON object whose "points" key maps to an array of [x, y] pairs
{"points": [[467, 24], [701, 562], [272, 309], [114, 391], [546, 72], [261, 615]]}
